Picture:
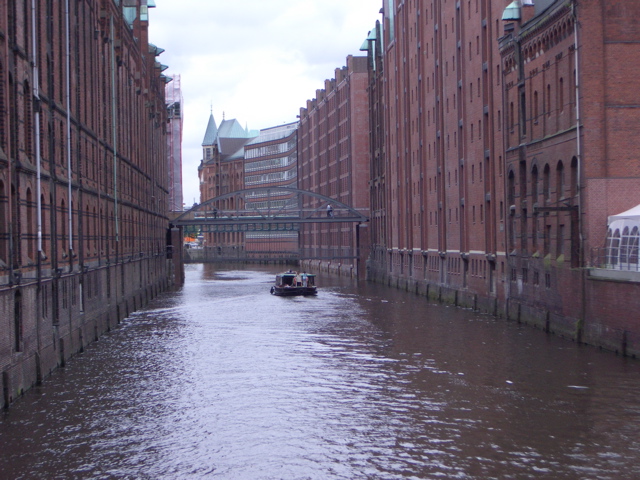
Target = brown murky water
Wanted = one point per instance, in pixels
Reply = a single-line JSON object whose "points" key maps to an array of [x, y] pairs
{"points": [[223, 380]]}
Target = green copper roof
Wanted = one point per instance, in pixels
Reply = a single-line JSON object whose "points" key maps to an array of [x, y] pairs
{"points": [[232, 129], [211, 134], [512, 12]]}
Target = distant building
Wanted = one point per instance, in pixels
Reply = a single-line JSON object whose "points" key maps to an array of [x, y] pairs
{"points": [[173, 94], [334, 161], [221, 172], [270, 160]]}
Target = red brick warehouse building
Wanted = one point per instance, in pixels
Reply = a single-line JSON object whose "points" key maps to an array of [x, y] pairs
{"points": [[222, 172], [83, 179], [438, 161], [333, 160], [572, 145], [510, 135]]}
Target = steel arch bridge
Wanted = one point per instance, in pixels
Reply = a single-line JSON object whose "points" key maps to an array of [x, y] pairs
{"points": [[267, 209]]}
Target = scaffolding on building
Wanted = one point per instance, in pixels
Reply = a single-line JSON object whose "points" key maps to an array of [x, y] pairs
{"points": [[173, 96]]}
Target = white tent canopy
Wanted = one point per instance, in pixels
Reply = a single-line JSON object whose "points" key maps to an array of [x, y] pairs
{"points": [[623, 240], [630, 217]]}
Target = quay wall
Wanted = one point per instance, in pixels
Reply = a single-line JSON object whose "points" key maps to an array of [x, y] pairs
{"points": [[602, 312], [62, 315]]}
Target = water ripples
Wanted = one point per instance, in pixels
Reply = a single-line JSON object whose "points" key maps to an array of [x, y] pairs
{"points": [[223, 380]]}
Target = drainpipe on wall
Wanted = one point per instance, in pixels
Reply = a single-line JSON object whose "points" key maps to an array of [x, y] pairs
{"points": [[114, 132], [36, 96], [578, 142], [581, 257], [68, 107]]}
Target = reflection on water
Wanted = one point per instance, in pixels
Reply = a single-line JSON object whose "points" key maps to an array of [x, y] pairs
{"points": [[224, 380]]}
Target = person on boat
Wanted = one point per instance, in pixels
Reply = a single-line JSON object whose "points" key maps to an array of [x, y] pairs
{"points": [[304, 279]]}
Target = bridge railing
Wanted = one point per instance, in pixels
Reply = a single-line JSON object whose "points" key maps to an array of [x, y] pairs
{"points": [[230, 253]]}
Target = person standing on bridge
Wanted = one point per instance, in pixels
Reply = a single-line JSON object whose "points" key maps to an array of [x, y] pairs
{"points": [[329, 210]]}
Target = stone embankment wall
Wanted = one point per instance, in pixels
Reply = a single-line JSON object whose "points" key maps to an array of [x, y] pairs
{"points": [[61, 316]]}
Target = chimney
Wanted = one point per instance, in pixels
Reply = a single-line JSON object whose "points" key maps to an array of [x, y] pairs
{"points": [[528, 10]]}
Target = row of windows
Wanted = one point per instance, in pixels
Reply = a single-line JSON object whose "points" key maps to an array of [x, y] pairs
{"points": [[270, 163], [560, 182], [262, 194], [273, 204], [267, 150], [622, 248], [535, 277], [433, 263], [271, 177], [136, 232]]}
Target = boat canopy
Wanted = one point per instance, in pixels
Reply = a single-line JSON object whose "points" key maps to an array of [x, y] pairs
{"points": [[288, 278]]}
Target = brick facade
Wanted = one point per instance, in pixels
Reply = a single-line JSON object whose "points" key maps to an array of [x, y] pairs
{"points": [[571, 160], [83, 180], [507, 144], [442, 187], [333, 160], [221, 173]]}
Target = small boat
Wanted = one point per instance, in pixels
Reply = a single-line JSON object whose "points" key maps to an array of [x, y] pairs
{"points": [[293, 283]]}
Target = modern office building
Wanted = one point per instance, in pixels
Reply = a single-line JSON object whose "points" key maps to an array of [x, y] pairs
{"points": [[270, 161]]}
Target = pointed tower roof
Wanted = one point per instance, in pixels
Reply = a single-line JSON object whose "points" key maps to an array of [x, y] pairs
{"points": [[232, 129], [211, 133]]}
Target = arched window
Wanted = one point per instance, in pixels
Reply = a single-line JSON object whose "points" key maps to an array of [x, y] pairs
{"points": [[613, 248], [4, 224], [95, 231], [560, 181], [30, 227], [63, 226], [3, 139], [28, 120], [17, 323], [634, 242], [534, 201], [624, 246], [574, 178], [43, 246], [511, 200], [623, 240], [534, 185], [88, 233], [546, 183], [511, 192]]}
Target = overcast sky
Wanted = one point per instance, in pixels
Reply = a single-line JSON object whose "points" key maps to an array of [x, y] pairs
{"points": [[257, 61]]}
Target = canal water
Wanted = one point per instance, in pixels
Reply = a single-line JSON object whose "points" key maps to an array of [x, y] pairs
{"points": [[223, 380]]}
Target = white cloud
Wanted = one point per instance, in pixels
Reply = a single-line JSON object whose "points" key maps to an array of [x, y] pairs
{"points": [[257, 61]]}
